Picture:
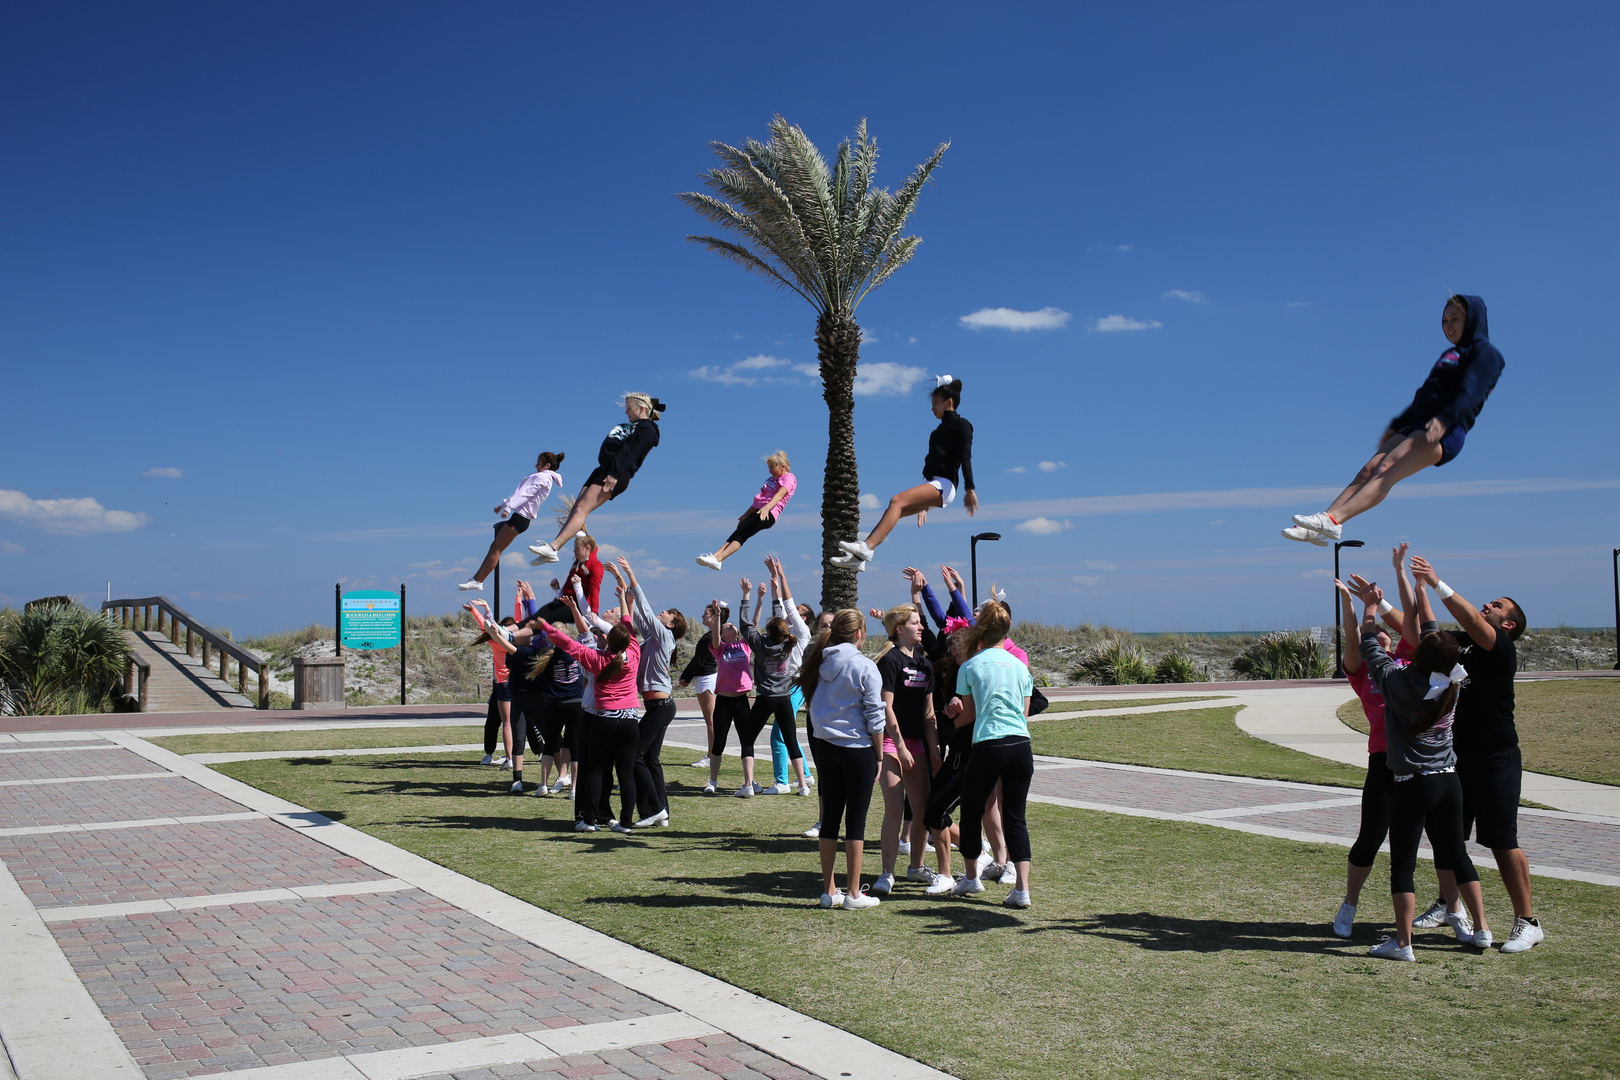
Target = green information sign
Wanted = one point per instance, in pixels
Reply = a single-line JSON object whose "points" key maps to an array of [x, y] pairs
{"points": [[370, 619]]}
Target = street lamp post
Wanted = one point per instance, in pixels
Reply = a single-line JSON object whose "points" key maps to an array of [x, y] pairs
{"points": [[1617, 609], [973, 561], [1338, 629]]}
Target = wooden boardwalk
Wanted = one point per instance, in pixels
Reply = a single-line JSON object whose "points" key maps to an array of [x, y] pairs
{"points": [[180, 683]]}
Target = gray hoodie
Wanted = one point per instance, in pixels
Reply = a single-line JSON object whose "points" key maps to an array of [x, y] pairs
{"points": [[847, 708], [658, 643], [1403, 689]]}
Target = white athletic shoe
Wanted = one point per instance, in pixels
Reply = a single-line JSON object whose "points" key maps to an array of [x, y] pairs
{"points": [[711, 788], [625, 829], [489, 759], [1320, 523], [543, 553], [814, 831], [921, 873], [905, 847], [804, 789], [1345, 921], [701, 763], [833, 899], [1526, 933], [942, 884], [469, 586], [991, 871], [1305, 536], [862, 899], [777, 789], [1482, 939], [1435, 916], [1009, 875], [584, 826], [967, 887], [884, 885], [709, 560], [496, 630], [1462, 927], [517, 787], [744, 792], [1390, 949], [848, 562], [857, 548], [1018, 898], [656, 819]]}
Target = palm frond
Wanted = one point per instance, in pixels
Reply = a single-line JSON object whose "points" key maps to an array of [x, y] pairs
{"points": [[743, 257]]}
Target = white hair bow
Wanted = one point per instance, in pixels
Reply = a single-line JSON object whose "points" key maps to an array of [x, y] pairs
{"points": [[942, 380], [1439, 682], [1001, 594]]}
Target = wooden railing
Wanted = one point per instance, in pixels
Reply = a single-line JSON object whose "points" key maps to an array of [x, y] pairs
{"points": [[216, 650]]}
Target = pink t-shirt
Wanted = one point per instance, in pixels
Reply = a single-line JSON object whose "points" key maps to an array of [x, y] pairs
{"points": [[786, 482], [734, 667], [1372, 702], [1007, 643]]}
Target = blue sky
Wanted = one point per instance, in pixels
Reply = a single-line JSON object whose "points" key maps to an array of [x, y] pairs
{"points": [[293, 293]]}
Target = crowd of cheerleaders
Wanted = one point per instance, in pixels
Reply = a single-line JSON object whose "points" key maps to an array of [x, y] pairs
{"points": [[939, 720]]}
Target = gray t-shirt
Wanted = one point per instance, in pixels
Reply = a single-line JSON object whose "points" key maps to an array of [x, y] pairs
{"points": [[657, 645], [772, 659], [1403, 689]]}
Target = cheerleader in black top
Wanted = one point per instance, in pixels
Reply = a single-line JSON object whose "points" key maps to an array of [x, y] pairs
{"points": [[950, 448], [622, 453]]}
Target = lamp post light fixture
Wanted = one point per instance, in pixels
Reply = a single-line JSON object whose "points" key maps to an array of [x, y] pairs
{"points": [[1338, 629], [973, 561]]}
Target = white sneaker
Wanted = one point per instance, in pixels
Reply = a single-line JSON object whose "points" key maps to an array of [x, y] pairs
{"points": [[564, 783], [1009, 875], [1345, 921], [857, 548], [848, 562], [489, 759], [922, 874], [744, 792], [1435, 916], [1305, 536], [558, 788], [1462, 927], [991, 871], [504, 763], [1018, 898], [496, 630], [967, 887], [710, 561], [517, 787], [777, 789], [544, 553], [862, 899], [833, 899], [711, 788], [884, 885], [941, 884], [814, 831], [804, 790], [1526, 933], [584, 826], [469, 586], [905, 847], [1320, 523], [1482, 939], [1390, 949], [656, 819], [701, 763], [984, 846], [625, 829]]}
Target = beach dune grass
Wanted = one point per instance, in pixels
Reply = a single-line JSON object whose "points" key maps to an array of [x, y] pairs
{"points": [[1154, 949]]}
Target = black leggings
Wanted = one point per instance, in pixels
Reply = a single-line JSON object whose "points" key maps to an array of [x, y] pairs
{"points": [[492, 726], [766, 708], [559, 726], [1376, 792], [650, 794], [1012, 761], [1435, 799], [735, 711], [749, 525], [847, 776], [528, 714], [612, 741], [945, 790]]}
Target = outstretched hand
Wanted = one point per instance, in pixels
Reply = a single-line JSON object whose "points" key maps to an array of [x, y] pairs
{"points": [[915, 576], [746, 585], [876, 613], [1361, 586], [1434, 431], [971, 502], [1424, 572], [1397, 554]]}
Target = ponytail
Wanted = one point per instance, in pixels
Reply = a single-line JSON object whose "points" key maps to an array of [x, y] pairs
{"points": [[550, 460], [541, 662], [846, 627], [618, 639], [988, 630], [1436, 654]]}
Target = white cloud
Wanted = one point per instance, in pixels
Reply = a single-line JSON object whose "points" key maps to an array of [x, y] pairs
{"points": [[1114, 323], [869, 501], [425, 565], [1018, 469], [1192, 296], [912, 340], [1042, 526], [8, 548], [867, 337], [886, 379], [164, 473], [760, 362], [1299, 303], [1047, 318], [812, 370], [1051, 466], [1091, 565], [67, 517], [1317, 573], [1112, 247], [1086, 580], [750, 371]]}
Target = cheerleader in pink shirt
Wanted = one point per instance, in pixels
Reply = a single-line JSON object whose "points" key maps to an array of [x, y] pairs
{"points": [[762, 514]]}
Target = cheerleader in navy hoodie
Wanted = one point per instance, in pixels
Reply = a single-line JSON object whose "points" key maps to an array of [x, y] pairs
{"points": [[622, 453], [1430, 431]]}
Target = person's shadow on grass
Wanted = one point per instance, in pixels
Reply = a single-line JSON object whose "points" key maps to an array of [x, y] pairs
{"points": [[794, 889], [1170, 933], [965, 917]]}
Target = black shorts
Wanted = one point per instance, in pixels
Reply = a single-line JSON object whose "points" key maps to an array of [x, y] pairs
{"points": [[518, 523], [749, 525], [600, 474], [1450, 446], [1490, 784], [503, 692]]}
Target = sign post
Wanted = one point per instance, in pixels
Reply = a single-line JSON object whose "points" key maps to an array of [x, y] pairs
{"points": [[374, 619]]}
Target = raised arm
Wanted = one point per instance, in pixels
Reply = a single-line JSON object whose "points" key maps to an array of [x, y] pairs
{"points": [[801, 630], [640, 610], [1347, 620], [1468, 617], [1379, 663]]}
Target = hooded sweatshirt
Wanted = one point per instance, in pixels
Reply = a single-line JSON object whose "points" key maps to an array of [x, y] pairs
{"points": [[847, 708], [1460, 380], [1404, 688]]}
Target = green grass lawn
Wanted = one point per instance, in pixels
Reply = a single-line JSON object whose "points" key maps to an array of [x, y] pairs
{"points": [[1089, 704], [247, 742], [1155, 949], [1203, 740], [1567, 727]]}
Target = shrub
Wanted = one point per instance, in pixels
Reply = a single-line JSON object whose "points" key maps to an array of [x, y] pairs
{"points": [[1283, 655], [1175, 667], [61, 659], [1114, 663]]}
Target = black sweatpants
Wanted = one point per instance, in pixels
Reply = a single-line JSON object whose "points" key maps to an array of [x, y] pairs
{"points": [[528, 713], [1376, 792], [945, 787], [735, 712], [613, 741], [492, 726], [592, 805], [846, 774], [1012, 761], [1436, 800], [749, 525], [651, 796], [559, 726]]}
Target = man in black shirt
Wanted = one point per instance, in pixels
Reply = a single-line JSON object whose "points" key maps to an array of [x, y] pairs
{"points": [[1486, 740]]}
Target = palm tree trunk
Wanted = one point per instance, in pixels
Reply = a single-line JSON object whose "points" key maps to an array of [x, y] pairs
{"points": [[838, 347]]}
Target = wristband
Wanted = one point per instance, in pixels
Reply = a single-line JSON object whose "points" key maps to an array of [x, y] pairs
{"points": [[1443, 590], [1385, 607]]}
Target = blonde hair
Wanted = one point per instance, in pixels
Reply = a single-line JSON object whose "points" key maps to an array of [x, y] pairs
{"points": [[989, 628], [779, 458], [585, 538], [636, 397], [893, 619]]}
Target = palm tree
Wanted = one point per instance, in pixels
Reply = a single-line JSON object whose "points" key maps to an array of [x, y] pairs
{"points": [[831, 237]]}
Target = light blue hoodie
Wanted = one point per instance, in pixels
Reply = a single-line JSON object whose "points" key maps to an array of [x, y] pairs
{"points": [[847, 708]]}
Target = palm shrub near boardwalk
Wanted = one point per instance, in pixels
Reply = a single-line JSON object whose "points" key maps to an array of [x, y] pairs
{"points": [[1175, 667], [59, 659], [1283, 655], [830, 236], [1114, 662]]}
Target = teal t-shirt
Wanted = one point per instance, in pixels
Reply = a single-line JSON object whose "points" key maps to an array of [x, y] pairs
{"points": [[999, 683]]}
